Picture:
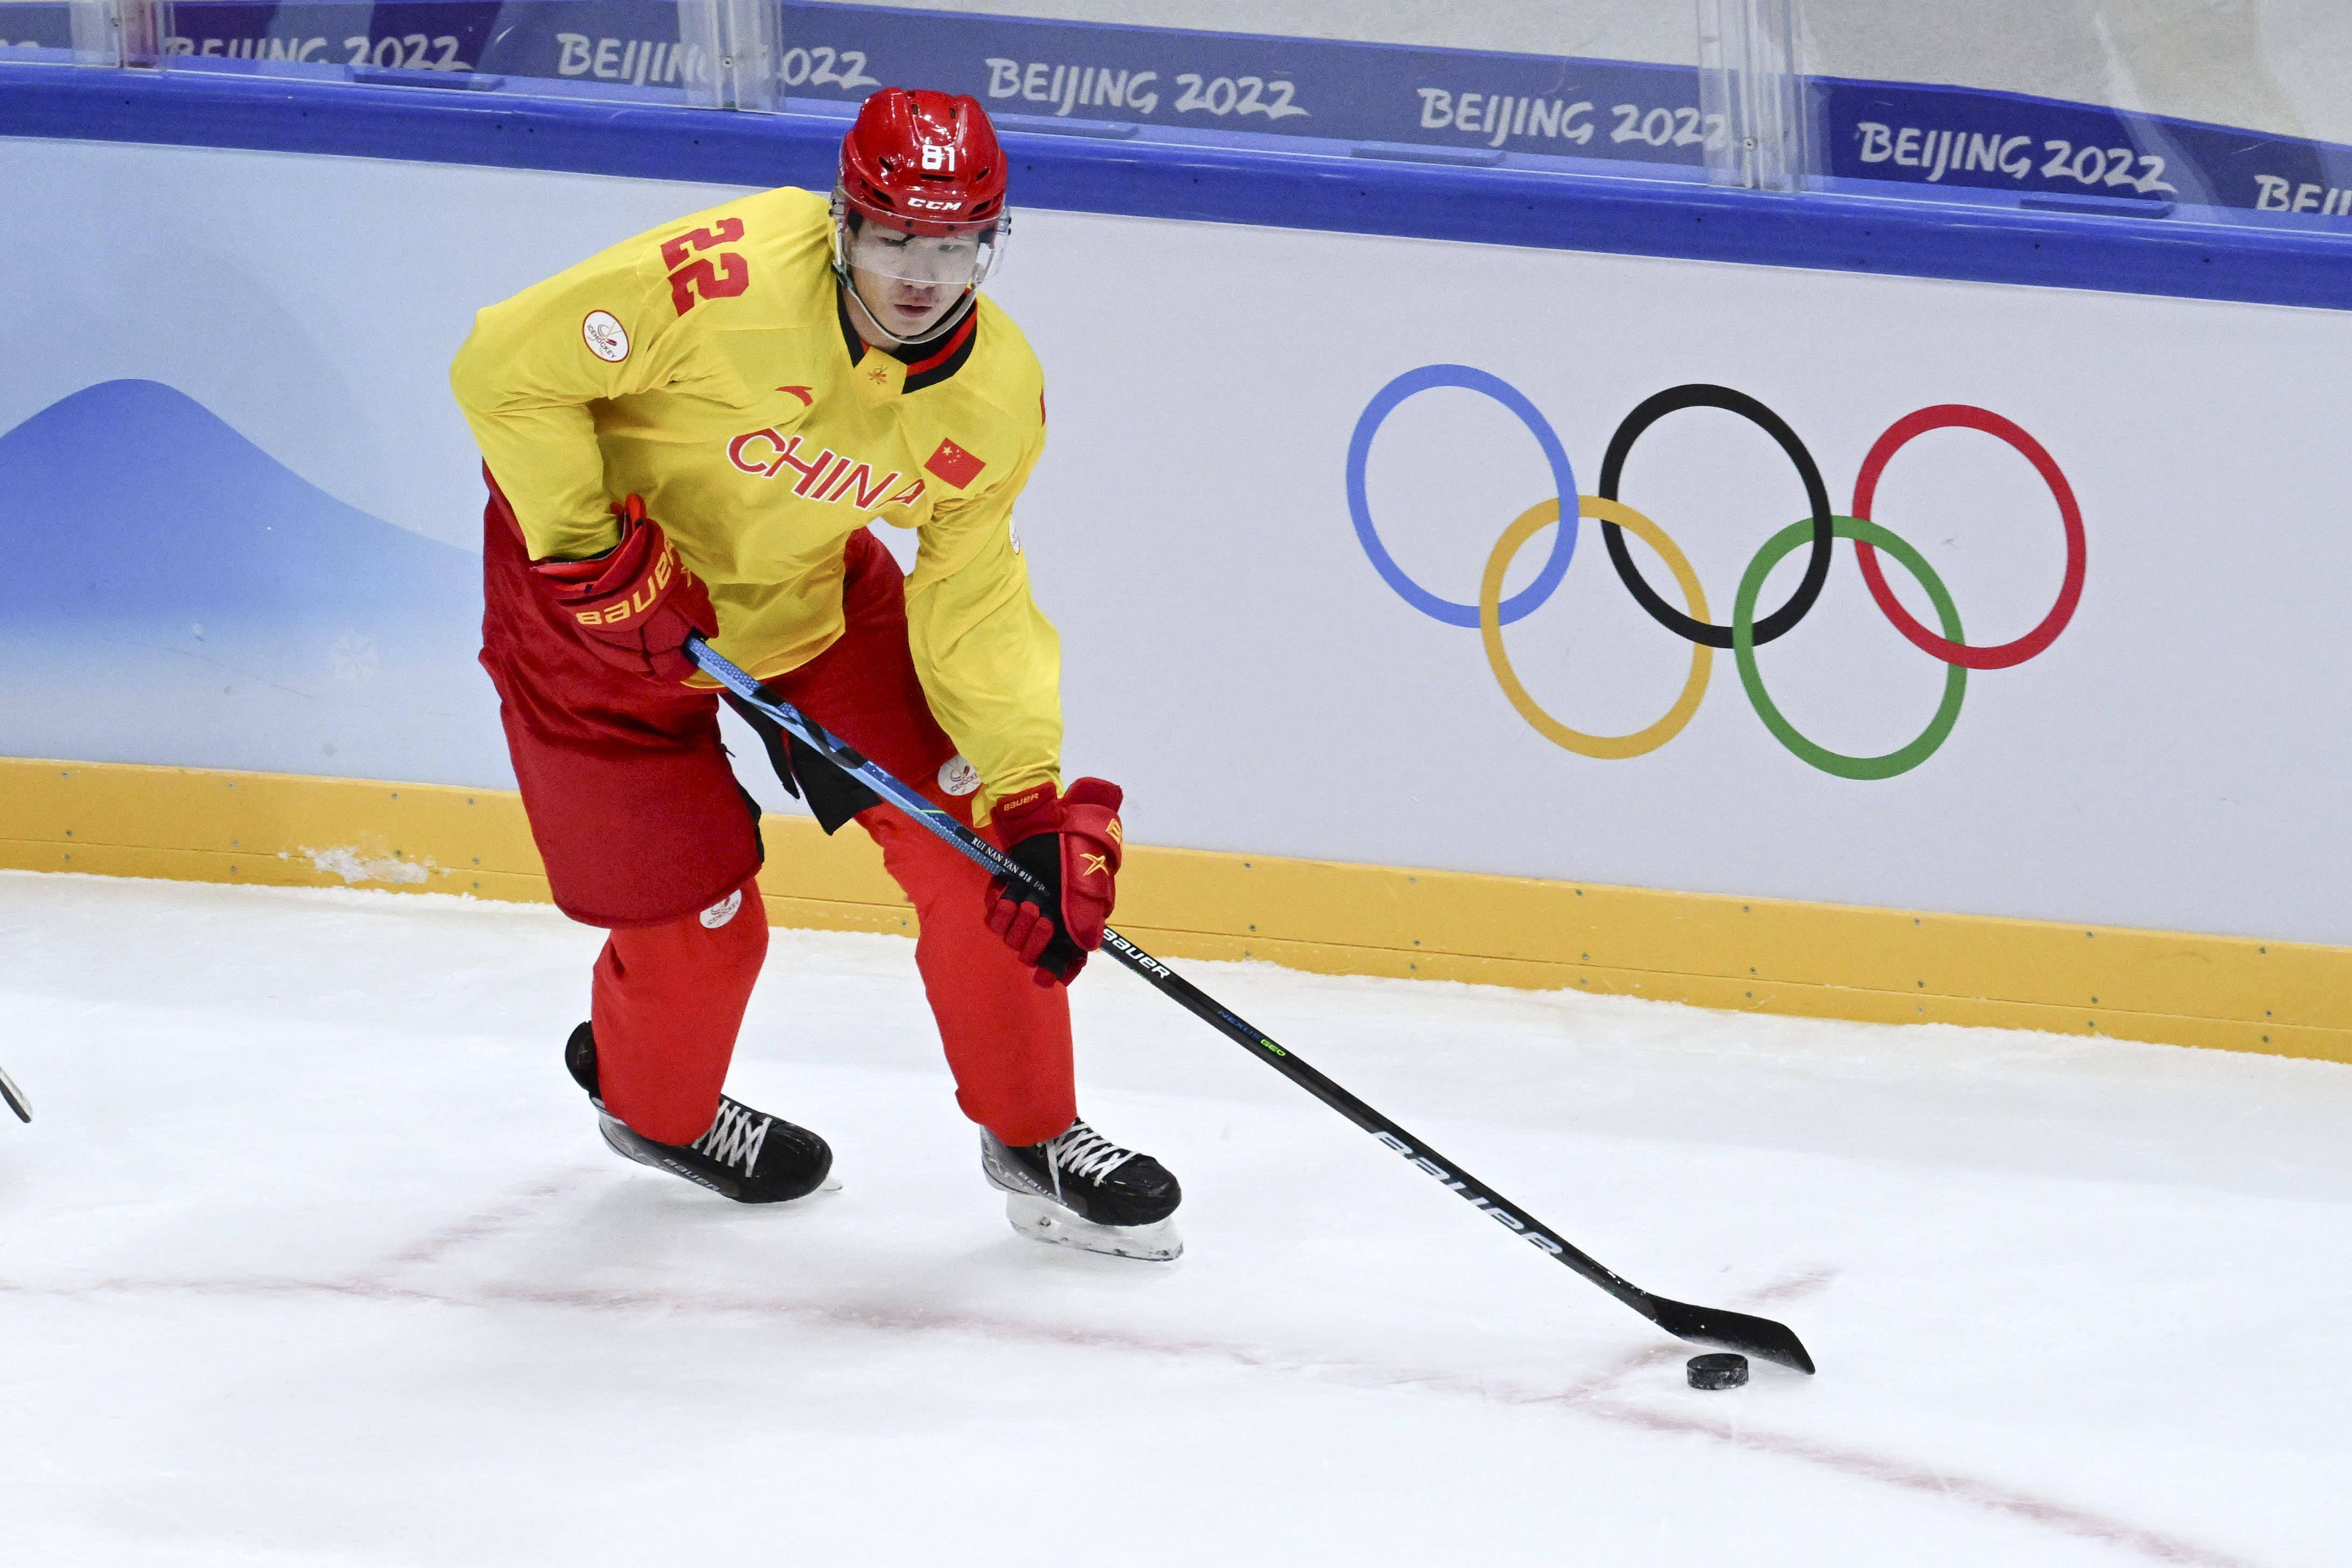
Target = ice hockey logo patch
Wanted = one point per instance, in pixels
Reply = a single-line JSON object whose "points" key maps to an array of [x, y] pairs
{"points": [[719, 913], [958, 777], [955, 465], [605, 337]]}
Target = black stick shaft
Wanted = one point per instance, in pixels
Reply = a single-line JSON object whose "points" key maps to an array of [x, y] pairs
{"points": [[1708, 1325], [1477, 1193]]}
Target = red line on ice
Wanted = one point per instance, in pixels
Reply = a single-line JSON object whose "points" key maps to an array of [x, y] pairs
{"points": [[1586, 1397]]}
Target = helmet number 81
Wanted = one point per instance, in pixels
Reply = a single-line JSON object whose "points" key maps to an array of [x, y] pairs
{"points": [[938, 157]]}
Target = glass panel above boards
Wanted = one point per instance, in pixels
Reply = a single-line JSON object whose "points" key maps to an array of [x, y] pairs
{"points": [[2189, 110], [2216, 110]]}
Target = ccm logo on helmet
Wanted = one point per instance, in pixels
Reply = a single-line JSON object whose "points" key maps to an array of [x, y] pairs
{"points": [[638, 603]]}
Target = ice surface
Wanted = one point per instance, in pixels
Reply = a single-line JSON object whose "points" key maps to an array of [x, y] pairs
{"points": [[313, 1257]]}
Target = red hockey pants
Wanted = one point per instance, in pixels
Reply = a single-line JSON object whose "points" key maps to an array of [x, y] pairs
{"points": [[644, 831]]}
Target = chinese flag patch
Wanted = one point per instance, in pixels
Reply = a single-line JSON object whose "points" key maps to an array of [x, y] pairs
{"points": [[955, 465]]}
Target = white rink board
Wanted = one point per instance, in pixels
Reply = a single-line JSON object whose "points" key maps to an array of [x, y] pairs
{"points": [[2173, 760], [312, 1254]]}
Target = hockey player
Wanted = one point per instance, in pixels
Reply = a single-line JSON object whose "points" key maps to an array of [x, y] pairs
{"points": [[692, 432]]}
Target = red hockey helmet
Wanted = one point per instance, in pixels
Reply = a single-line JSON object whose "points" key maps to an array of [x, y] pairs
{"points": [[924, 161], [919, 213]]}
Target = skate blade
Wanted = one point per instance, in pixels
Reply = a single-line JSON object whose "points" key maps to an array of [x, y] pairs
{"points": [[1039, 1220]]}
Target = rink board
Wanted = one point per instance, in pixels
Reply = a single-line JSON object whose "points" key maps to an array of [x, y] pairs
{"points": [[1753, 954], [1281, 467]]}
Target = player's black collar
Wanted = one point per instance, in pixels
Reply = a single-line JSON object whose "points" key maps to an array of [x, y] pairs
{"points": [[928, 363], [943, 360]]}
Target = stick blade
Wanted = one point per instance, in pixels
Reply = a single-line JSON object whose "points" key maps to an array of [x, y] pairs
{"points": [[1761, 1337], [16, 1097]]}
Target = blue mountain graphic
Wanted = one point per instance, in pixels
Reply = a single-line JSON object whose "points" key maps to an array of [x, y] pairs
{"points": [[128, 499], [177, 595]]}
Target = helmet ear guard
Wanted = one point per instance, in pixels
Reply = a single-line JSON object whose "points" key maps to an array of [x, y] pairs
{"points": [[841, 233]]}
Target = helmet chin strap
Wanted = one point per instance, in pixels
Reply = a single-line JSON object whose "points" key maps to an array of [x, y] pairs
{"points": [[862, 317]]}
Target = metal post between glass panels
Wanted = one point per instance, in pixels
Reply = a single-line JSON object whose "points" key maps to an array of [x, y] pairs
{"points": [[741, 41], [121, 32], [1749, 84]]}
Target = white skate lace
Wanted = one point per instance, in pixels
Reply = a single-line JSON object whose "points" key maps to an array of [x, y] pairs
{"points": [[1084, 1153], [733, 1139]]}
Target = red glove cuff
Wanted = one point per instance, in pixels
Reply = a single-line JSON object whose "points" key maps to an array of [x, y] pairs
{"points": [[1037, 809], [636, 603]]}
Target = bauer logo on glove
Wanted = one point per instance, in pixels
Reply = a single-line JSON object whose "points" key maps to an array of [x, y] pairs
{"points": [[637, 602], [645, 596]]}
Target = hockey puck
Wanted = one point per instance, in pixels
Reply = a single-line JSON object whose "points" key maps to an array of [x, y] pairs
{"points": [[1724, 1370]]}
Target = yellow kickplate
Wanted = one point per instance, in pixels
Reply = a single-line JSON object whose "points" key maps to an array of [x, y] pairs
{"points": [[1766, 955]]}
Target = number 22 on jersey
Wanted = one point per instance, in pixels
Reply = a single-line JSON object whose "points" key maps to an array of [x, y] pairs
{"points": [[697, 279]]}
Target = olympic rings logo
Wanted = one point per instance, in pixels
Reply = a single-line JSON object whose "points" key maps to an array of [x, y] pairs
{"points": [[1815, 534]]}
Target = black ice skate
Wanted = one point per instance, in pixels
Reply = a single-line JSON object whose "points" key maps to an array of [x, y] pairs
{"points": [[747, 1155], [1082, 1190]]}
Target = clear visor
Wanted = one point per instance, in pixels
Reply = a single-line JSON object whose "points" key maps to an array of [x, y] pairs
{"points": [[910, 283], [953, 262]]}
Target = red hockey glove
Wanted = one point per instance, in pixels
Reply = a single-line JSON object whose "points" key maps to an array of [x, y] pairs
{"points": [[1070, 843], [636, 602]]}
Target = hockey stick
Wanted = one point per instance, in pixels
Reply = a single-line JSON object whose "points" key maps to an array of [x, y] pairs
{"points": [[16, 1097], [1703, 1325]]}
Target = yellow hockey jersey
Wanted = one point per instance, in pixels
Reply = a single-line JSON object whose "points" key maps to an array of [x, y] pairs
{"points": [[709, 366]]}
